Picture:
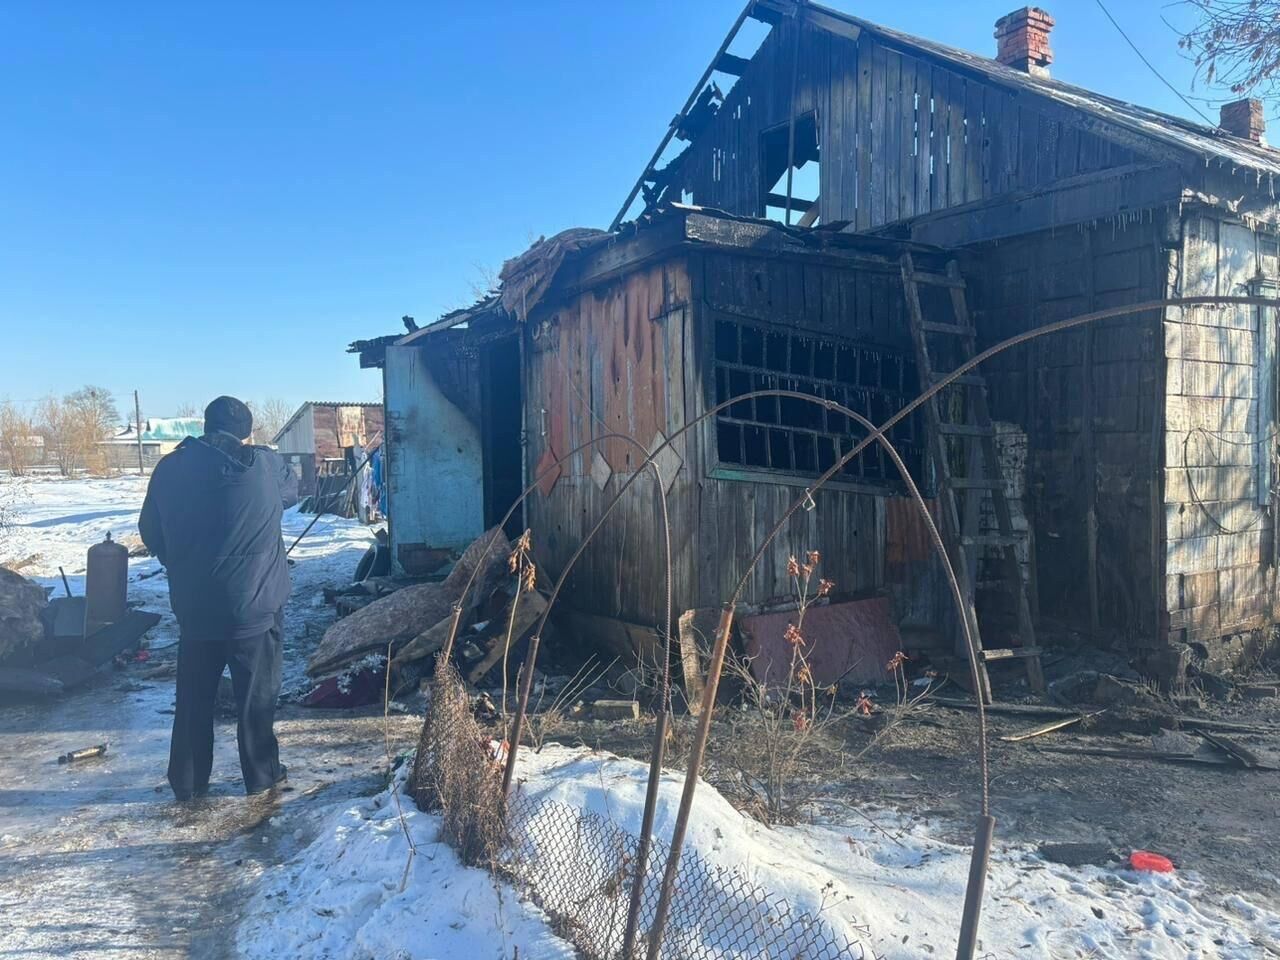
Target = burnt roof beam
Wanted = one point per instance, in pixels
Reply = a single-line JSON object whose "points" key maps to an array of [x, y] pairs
{"points": [[747, 11]]}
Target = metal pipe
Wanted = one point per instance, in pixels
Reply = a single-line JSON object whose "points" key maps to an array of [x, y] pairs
{"points": [[137, 428], [643, 845], [657, 756], [673, 858], [447, 649], [517, 723], [513, 746], [976, 886], [691, 780]]}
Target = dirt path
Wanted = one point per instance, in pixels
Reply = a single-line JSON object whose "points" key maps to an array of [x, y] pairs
{"points": [[96, 858]]}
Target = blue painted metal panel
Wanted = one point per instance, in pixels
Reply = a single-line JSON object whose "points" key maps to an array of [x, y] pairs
{"points": [[435, 482]]}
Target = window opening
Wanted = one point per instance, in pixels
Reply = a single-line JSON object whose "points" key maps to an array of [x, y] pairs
{"points": [[794, 436], [804, 174]]}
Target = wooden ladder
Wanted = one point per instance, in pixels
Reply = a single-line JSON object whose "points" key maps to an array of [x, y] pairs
{"points": [[961, 497]]}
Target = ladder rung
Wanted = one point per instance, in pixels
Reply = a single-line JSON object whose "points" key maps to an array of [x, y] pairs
{"points": [[937, 280], [991, 539], [976, 483], [958, 329], [966, 430], [1010, 653]]}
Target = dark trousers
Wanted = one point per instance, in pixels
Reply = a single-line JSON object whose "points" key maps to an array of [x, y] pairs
{"points": [[255, 677]]}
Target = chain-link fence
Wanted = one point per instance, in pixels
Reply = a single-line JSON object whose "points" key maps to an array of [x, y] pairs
{"points": [[579, 867]]}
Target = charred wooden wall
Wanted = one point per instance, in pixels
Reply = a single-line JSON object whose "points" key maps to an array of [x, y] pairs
{"points": [[901, 134], [1220, 412], [870, 536], [634, 356], [1090, 402], [614, 359]]}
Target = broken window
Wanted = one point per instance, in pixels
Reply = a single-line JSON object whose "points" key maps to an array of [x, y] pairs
{"points": [[795, 436], [775, 146]]}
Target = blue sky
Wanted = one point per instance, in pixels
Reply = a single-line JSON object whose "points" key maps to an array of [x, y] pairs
{"points": [[216, 198]]}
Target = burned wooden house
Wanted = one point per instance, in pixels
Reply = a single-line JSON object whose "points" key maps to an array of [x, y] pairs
{"points": [[1116, 479]]}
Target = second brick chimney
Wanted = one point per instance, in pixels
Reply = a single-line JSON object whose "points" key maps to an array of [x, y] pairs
{"points": [[1022, 41], [1244, 119]]}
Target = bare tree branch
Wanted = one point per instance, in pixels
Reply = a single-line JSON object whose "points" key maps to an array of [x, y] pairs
{"points": [[1236, 44]]}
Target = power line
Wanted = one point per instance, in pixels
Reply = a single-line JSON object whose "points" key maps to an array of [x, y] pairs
{"points": [[1134, 47]]}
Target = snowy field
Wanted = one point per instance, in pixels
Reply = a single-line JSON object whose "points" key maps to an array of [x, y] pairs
{"points": [[55, 521], [893, 886]]}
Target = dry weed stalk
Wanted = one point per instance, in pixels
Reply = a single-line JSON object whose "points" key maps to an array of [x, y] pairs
{"points": [[542, 723], [520, 563], [904, 703], [790, 714]]}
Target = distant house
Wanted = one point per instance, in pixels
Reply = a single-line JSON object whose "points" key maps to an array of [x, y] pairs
{"points": [[160, 435], [321, 436]]}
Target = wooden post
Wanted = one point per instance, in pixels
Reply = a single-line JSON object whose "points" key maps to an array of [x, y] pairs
{"points": [[692, 767], [968, 940], [137, 426]]}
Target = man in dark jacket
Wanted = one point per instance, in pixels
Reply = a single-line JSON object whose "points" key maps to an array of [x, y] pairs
{"points": [[212, 517]]}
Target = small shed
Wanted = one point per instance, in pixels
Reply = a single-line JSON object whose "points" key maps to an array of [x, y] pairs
{"points": [[321, 437]]}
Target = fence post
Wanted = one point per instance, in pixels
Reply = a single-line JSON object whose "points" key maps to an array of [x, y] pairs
{"points": [[517, 725], [974, 890], [690, 782]]}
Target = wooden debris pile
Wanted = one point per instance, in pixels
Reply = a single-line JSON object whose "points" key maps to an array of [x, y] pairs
{"points": [[413, 622]]}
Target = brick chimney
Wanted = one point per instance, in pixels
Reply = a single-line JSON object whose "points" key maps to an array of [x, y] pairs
{"points": [[1022, 41], [1244, 119]]}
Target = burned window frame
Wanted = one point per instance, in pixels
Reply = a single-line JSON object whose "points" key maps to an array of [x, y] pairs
{"points": [[872, 378], [773, 162]]}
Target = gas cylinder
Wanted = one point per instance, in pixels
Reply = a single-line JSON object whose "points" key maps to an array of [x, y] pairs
{"points": [[106, 585]]}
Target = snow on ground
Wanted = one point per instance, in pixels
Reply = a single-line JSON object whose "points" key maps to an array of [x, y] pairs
{"points": [[56, 520], [892, 884], [906, 887], [342, 898]]}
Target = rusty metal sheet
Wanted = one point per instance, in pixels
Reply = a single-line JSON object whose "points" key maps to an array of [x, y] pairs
{"points": [[853, 641], [907, 540]]}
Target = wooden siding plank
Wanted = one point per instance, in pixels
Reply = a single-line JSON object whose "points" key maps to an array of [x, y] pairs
{"points": [[958, 148], [907, 139], [924, 131], [879, 140], [893, 153], [975, 150], [866, 138]]}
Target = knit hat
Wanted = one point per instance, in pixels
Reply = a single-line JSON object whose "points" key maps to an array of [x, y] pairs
{"points": [[230, 416]]}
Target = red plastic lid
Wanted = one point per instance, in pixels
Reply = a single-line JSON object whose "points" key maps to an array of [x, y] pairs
{"points": [[1145, 860]]}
